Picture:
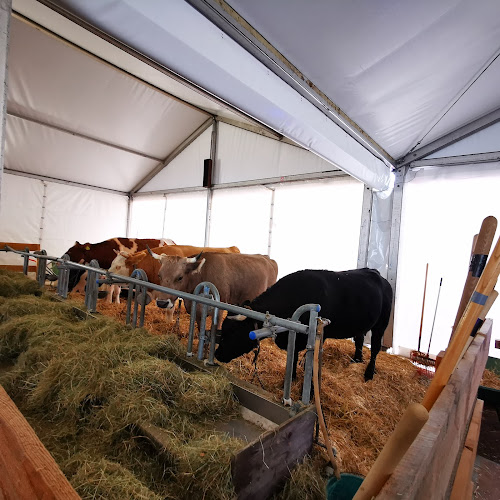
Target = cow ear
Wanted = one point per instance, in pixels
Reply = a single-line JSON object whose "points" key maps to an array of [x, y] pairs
{"points": [[77, 244], [238, 317]]}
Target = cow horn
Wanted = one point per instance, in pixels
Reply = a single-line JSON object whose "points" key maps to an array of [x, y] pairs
{"points": [[238, 317], [192, 260], [153, 254]]}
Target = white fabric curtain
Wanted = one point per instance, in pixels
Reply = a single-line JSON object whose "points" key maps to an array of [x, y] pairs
{"points": [[316, 225], [20, 212], [56, 215], [241, 217], [147, 217], [443, 209]]}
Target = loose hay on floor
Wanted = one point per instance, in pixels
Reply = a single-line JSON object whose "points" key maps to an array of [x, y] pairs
{"points": [[13, 284]]}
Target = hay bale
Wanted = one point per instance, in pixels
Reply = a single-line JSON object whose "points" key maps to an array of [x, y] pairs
{"points": [[13, 284]]}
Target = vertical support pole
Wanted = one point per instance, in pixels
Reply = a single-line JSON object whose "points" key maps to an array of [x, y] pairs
{"points": [[192, 319], [201, 335], [308, 369], [164, 217], [271, 219], [63, 279], [392, 270], [42, 215], [129, 215], [26, 262], [364, 233], [42, 266], [91, 288], [210, 191], [5, 10]]}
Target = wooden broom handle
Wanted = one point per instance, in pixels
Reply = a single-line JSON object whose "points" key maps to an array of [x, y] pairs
{"points": [[397, 445], [478, 299]]}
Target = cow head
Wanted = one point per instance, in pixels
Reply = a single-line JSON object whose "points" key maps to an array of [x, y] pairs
{"points": [[118, 265], [234, 340], [78, 252]]}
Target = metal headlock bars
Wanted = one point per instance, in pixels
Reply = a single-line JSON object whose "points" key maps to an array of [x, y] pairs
{"points": [[205, 294]]}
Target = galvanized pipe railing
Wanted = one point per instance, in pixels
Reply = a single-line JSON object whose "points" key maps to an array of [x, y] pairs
{"points": [[267, 319]]}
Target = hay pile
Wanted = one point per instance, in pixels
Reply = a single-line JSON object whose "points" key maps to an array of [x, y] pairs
{"points": [[14, 284], [85, 386], [490, 379]]}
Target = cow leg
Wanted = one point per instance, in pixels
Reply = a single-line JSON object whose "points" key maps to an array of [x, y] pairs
{"points": [[376, 344], [117, 289], [358, 353]]}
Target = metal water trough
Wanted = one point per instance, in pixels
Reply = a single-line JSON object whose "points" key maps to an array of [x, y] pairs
{"points": [[278, 437]]}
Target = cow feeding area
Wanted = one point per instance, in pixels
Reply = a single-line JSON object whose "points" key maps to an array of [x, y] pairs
{"points": [[86, 386]]}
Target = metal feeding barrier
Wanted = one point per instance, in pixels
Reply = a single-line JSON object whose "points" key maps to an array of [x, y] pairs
{"points": [[205, 294]]}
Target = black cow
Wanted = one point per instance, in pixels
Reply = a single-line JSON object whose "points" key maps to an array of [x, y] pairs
{"points": [[355, 301]]}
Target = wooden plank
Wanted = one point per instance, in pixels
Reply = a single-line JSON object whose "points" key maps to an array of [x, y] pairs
{"points": [[21, 246], [466, 464], [260, 468], [428, 468], [27, 470], [11, 267]]}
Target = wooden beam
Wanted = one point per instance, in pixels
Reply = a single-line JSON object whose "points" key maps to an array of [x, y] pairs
{"points": [[428, 468], [9, 267], [27, 470], [466, 465]]}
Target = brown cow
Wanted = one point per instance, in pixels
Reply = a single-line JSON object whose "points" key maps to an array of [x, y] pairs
{"points": [[104, 253], [125, 263], [238, 277]]}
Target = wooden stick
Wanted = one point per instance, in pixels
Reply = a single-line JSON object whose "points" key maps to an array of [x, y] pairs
{"points": [[480, 251], [397, 445], [423, 305], [478, 299]]}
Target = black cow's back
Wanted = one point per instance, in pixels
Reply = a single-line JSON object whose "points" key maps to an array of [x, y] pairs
{"points": [[354, 301]]}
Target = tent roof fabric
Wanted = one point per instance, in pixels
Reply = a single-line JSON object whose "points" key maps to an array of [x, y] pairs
{"points": [[406, 72]]}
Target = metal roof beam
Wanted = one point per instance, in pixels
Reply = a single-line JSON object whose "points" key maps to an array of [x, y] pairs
{"points": [[230, 22], [62, 181], [256, 182], [449, 161], [176, 152], [451, 138], [81, 136]]}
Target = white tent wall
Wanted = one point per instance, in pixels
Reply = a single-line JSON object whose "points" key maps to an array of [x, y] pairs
{"points": [[147, 217], [185, 218], [56, 215], [442, 209], [186, 169], [21, 202], [80, 214], [316, 225], [240, 217]]}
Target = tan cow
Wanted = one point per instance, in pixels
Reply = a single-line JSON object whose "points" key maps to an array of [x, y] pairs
{"points": [[238, 277], [125, 263]]}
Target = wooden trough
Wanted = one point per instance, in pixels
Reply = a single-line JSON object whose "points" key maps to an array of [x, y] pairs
{"points": [[439, 463], [277, 439]]}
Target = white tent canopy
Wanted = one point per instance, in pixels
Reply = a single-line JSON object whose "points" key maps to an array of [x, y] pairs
{"points": [[113, 106]]}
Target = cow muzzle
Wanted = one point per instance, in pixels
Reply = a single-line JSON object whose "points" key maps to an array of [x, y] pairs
{"points": [[164, 304]]}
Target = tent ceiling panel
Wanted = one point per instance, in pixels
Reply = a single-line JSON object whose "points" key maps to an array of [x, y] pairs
{"points": [[201, 53], [478, 101], [393, 67], [186, 170], [81, 37], [63, 86], [36, 149], [487, 140]]}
